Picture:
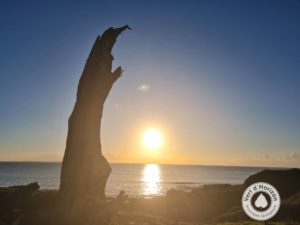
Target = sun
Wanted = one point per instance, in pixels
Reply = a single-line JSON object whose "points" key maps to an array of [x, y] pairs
{"points": [[152, 139]]}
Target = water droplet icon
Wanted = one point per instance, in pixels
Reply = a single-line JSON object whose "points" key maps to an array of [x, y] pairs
{"points": [[261, 201]]}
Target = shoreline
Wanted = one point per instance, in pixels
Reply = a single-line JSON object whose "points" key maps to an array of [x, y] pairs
{"points": [[209, 204]]}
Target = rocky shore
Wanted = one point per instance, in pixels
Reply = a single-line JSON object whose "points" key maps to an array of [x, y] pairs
{"points": [[210, 204]]}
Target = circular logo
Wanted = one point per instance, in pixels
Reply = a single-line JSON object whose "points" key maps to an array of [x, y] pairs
{"points": [[261, 201]]}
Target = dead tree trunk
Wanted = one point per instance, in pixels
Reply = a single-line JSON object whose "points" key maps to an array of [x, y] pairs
{"points": [[85, 171]]}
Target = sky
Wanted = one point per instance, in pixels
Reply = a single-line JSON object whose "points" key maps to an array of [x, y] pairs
{"points": [[220, 80]]}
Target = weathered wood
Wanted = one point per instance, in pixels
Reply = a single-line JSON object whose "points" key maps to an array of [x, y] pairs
{"points": [[85, 170]]}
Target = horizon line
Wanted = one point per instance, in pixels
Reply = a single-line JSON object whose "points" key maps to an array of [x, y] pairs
{"points": [[171, 164]]}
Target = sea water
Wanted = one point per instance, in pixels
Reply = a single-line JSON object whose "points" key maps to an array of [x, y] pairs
{"points": [[135, 179]]}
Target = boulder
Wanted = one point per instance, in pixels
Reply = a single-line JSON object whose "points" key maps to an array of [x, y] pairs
{"points": [[286, 181]]}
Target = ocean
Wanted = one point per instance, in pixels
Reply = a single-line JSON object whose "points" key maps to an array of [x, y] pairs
{"points": [[136, 180]]}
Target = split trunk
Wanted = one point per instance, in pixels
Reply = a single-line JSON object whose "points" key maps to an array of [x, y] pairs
{"points": [[85, 170]]}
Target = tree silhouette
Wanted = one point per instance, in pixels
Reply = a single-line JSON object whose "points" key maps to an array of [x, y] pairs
{"points": [[85, 170]]}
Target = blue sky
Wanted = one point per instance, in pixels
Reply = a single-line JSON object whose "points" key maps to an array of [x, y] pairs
{"points": [[224, 79]]}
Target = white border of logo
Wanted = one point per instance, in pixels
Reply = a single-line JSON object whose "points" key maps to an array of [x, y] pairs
{"points": [[272, 209]]}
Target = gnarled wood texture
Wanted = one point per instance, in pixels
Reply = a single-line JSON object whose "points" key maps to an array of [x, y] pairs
{"points": [[85, 170]]}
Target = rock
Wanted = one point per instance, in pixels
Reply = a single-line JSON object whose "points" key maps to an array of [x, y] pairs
{"points": [[16, 197], [286, 181]]}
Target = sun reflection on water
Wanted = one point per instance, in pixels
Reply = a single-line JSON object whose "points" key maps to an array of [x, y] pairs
{"points": [[151, 178]]}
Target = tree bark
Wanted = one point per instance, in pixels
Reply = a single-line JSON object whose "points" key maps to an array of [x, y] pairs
{"points": [[85, 170]]}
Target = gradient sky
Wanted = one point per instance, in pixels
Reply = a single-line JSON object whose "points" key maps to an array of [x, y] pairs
{"points": [[223, 79]]}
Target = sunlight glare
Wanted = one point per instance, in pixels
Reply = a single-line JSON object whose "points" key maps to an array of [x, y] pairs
{"points": [[152, 139], [151, 178]]}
